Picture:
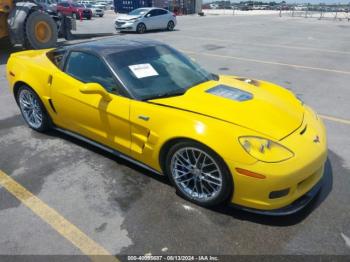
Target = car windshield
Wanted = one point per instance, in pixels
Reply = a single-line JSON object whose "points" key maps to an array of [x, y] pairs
{"points": [[139, 11], [77, 5], [157, 71]]}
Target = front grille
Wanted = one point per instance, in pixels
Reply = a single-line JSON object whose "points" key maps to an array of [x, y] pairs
{"points": [[119, 23]]}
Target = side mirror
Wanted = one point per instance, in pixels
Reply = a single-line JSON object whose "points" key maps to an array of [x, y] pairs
{"points": [[148, 15], [95, 89]]}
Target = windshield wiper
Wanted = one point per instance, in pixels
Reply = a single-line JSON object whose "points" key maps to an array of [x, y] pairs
{"points": [[168, 94]]}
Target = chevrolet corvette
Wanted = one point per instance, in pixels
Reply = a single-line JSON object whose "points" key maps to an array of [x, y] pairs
{"points": [[218, 138]]}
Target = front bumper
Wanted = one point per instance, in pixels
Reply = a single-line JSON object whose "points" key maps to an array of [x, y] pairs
{"points": [[292, 208], [86, 14], [125, 26], [98, 12], [298, 175]]}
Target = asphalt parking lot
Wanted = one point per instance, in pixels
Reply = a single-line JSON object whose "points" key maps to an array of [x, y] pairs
{"points": [[123, 209]]}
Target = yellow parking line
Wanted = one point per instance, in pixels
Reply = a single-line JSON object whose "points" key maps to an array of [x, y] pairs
{"points": [[56, 221], [335, 119], [268, 62]]}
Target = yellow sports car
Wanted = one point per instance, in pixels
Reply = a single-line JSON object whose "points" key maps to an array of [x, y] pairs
{"points": [[217, 138]]}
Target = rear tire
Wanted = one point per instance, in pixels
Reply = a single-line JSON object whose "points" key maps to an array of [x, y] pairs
{"points": [[40, 31], [198, 174], [141, 28], [101, 15], [170, 26], [33, 110]]}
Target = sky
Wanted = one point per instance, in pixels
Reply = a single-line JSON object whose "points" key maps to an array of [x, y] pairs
{"points": [[295, 1]]}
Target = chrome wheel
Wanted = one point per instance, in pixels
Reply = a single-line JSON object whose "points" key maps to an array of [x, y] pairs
{"points": [[196, 174], [30, 108]]}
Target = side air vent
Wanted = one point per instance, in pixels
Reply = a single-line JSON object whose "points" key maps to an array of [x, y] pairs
{"points": [[304, 130], [52, 107]]}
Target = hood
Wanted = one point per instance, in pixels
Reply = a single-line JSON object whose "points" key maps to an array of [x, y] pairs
{"points": [[127, 17], [257, 105]]}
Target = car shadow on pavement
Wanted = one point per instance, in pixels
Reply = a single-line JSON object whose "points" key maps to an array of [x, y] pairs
{"points": [[288, 220], [110, 156]]}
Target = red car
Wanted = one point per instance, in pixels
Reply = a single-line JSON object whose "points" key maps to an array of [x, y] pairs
{"points": [[75, 10]]}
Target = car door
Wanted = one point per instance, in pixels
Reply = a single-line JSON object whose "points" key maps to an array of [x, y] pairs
{"points": [[163, 18], [151, 20], [90, 115]]}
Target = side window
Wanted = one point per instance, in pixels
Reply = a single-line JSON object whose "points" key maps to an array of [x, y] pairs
{"points": [[162, 12], [153, 13], [56, 56], [90, 69]]}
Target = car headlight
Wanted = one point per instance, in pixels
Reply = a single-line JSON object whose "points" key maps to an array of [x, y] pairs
{"points": [[134, 19], [264, 149]]}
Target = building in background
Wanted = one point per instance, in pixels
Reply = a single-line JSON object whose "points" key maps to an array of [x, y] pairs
{"points": [[176, 6]]}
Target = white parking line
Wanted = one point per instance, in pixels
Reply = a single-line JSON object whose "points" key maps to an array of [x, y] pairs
{"points": [[322, 50], [346, 239], [267, 62]]}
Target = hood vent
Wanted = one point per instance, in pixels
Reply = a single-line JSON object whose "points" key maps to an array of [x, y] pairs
{"points": [[230, 93]]}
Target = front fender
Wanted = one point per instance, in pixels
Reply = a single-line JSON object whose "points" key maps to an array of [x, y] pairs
{"points": [[153, 126]]}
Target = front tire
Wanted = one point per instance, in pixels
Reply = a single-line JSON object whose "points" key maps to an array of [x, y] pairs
{"points": [[32, 109], [198, 174], [141, 28]]}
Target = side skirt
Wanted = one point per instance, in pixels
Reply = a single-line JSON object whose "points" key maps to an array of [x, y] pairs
{"points": [[109, 150]]}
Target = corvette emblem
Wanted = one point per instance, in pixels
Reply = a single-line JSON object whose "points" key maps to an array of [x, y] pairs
{"points": [[317, 139]]}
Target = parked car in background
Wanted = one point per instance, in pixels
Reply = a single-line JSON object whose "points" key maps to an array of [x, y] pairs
{"points": [[85, 2], [96, 11], [47, 5], [101, 5], [143, 19], [75, 10]]}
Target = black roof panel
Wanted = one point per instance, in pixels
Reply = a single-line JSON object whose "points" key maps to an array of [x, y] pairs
{"points": [[112, 45]]}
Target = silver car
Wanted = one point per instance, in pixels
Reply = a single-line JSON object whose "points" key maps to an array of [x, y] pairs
{"points": [[96, 11], [143, 19]]}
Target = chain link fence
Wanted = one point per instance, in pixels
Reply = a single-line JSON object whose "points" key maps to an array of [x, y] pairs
{"points": [[339, 13]]}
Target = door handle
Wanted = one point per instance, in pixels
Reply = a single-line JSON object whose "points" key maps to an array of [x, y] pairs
{"points": [[145, 118]]}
